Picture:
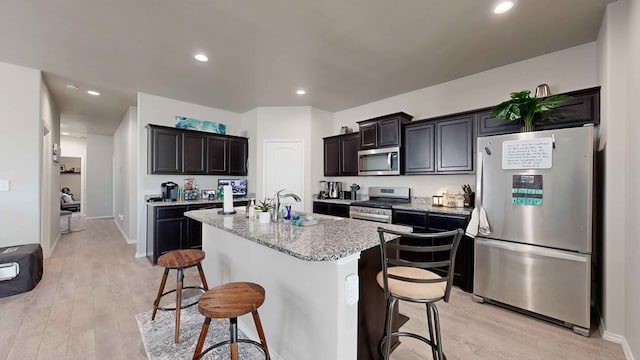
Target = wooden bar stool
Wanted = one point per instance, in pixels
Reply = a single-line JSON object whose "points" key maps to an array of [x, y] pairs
{"points": [[179, 260], [228, 301]]}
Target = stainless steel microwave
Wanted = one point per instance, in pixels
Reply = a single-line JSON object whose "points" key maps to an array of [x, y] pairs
{"points": [[385, 161]]}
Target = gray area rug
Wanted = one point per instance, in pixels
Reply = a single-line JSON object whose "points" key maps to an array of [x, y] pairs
{"points": [[157, 336]]}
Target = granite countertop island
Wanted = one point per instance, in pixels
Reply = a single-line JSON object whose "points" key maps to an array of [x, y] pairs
{"points": [[194, 202], [322, 299], [332, 239]]}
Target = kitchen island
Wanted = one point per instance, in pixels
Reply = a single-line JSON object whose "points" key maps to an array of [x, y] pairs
{"points": [[308, 273]]}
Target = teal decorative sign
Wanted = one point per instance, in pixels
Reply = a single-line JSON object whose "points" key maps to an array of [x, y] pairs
{"points": [[200, 125]]}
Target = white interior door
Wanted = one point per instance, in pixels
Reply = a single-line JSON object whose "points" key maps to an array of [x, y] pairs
{"points": [[284, 169]]}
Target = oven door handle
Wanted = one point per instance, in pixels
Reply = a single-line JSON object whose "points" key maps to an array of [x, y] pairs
{"points": [[371, 217]]}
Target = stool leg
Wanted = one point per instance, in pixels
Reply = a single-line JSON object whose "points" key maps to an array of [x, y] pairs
{"points": [[201, 338], [387, 331], [436, 319], [178, 303], [233, 330], [263, 339], [202, 278], [430, 324], [156, 303]]}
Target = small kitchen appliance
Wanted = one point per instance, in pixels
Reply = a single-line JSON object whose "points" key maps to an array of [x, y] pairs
{"points": [[169, 191], [322, 190], [334, 188]]}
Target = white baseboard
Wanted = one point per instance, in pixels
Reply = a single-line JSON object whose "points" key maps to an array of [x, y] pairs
{"points": [[55, 243], [139, 255], [124, 235], [618, 339], [99, 217]]}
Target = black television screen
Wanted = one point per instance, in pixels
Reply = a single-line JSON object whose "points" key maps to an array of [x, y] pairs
{"points": [[239, 186]]}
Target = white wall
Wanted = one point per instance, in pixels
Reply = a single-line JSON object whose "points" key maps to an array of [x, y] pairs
{"points": [[565, 70], [162, 111], [73, 146], [50, 175], [20, 153], [619, 54], [99, 176], [124, 177], [632, 265]]}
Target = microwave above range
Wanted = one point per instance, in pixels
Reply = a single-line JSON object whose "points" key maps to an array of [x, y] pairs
{"points": [[385, 161]]}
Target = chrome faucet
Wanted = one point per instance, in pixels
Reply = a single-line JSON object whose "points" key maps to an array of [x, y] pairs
{"points": [[276, 202]]}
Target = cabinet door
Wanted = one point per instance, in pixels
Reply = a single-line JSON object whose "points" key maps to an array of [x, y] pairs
{"points": [[463, 270], [321, 208], [238, 153], [193, 153], [454, 144], [171, 234], [349, 146], [488, 125], [369, 135], [339, 210], [164, 151], [389, 132], [582, 108], [217, 155], [419, 148], [331, 156]]}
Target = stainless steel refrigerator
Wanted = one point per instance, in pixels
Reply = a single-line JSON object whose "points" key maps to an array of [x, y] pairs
{"points": [[537, 191]]}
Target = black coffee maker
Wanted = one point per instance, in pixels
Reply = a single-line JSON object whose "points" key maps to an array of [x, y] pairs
{"points": [[169, 191]]}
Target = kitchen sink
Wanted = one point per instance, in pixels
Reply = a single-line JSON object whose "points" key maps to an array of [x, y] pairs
{"points": [[310, 219]]}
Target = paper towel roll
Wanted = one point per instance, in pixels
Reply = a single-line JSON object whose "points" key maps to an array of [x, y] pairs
{"points": [[227, 192]]}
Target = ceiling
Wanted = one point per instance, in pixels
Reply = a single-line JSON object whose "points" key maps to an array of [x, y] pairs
{"points": [[344, 53]]}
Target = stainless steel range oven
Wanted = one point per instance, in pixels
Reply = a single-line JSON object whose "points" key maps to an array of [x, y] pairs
{"points": [[379, 207]]}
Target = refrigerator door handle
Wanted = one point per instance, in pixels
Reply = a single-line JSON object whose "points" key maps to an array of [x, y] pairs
{"points": [[479, 178], [533, 250]]}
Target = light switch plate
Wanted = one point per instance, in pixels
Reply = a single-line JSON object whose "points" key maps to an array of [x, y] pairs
{"points": [[4, 185]]}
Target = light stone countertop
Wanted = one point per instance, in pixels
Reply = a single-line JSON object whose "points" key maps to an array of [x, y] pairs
{"points": [[326, 241], [194, 202], [433, 209], [335, 201]]}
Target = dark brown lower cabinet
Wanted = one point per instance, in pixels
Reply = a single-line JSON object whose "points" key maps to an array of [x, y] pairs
{"points": [[422, 221], [372, 307], [168, 229], [331, 209]]}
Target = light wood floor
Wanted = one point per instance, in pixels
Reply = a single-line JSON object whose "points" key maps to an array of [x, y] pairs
{"points": [[93, 286]]}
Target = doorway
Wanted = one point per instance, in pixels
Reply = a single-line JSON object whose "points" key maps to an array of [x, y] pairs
{"points": [[71, 183]]}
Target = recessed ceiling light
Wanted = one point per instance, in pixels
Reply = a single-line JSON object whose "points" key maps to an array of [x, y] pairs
{"points": [[503, 7], [72, 87], [65, 133], [93, 92], [301, 92], [201, 57]]}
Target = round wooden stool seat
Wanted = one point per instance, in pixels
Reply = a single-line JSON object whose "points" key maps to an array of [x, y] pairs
{"points": [[178, 260], [231, 300], [181, 258]]}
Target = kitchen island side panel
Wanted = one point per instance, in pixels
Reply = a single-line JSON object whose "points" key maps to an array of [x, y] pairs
{"points": [[305, 315]]}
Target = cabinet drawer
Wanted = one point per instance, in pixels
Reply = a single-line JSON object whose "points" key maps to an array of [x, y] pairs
{"points": [[170, 212], [446, 222], [416, 219]]}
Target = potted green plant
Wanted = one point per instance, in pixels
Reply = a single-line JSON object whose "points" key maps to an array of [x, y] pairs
{"points": [[522, 106], [263, 208]]}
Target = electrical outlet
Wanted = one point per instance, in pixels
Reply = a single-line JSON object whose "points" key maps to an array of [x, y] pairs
{"points": [[351, 292]]}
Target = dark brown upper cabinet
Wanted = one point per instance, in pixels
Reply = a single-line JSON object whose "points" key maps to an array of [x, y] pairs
{"points": [[164, 153], [419, 148], [238, 155], [188, 152], [454, 144], [582, 108], [383, 131], [442, 145], [341, 155], [217, 155], [195, 145]]}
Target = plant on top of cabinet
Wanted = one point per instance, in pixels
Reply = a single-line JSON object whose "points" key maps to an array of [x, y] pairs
{"points": [[522, 107]]}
